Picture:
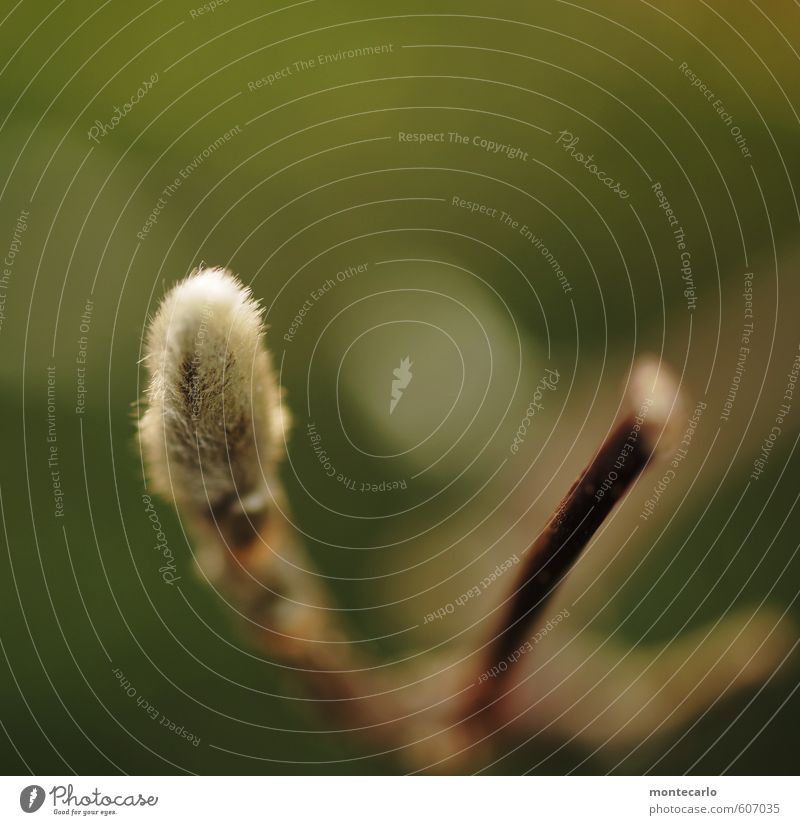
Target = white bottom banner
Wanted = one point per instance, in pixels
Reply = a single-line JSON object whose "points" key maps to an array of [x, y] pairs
{"points": [[402, 800]]}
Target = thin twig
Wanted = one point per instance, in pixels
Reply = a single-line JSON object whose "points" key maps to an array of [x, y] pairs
{"points": [[622, 457]]}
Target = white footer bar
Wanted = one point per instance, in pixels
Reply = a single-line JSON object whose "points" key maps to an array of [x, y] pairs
{"points": [[488, 800]]}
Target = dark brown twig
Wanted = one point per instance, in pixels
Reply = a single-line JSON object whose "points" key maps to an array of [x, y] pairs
{"points": [[622, 457]]}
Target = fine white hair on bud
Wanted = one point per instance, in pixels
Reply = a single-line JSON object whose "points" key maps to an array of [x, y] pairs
{"points": [[655, 388], [214, 423]]}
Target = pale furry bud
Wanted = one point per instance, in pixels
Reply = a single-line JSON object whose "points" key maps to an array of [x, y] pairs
{"points": [[214, 423], [655, 388]]}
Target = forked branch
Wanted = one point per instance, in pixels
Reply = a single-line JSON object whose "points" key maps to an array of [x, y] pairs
{"points": [[211, 435]]}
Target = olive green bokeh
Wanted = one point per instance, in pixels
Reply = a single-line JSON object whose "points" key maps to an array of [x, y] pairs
{"points": [[315, 181]]}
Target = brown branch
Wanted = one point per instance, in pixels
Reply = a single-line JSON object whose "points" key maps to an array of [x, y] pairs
{"points": [[622, 457]]}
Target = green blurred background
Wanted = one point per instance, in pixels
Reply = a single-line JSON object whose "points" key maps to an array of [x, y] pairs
{"points": [[314, 179]]}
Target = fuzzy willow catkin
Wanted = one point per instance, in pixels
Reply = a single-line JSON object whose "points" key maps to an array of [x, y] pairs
{"points": [[214, 424]]}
